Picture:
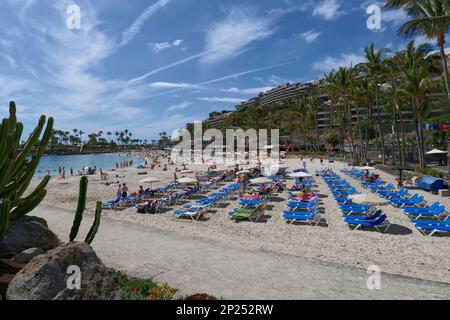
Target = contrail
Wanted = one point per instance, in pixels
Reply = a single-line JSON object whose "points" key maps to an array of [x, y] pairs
{"points": [[134, 29], [236, 75], [168, 67]]}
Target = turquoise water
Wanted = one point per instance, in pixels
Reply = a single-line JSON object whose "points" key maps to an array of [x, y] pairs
{"points": [[78, 162]]}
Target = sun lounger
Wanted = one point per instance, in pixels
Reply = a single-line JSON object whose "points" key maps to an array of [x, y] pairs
{"points": [[414, 201], [356, 208], [435, 212], [195, 214], [432, 227], [401, 194], [294, 216], [378, 224], [373, 217], [386, 188], [252, 214]]}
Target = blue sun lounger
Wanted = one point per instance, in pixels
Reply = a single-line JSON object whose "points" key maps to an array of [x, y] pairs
{"points": [[432, 227], [294, 216], [386, 188], [194, 213], [356, 208], [378, 224], [436, 212], [414, 201], [401, 194], [373, 217], [302, 205]]}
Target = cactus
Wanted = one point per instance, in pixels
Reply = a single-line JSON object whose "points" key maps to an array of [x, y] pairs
{"points": [[16, 171], [93, 231], [5, 217], [79, 215], [80, 208]]}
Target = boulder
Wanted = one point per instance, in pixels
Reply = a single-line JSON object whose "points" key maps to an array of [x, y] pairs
{"points": [[28, 232], [46, 278], [26, 255]]}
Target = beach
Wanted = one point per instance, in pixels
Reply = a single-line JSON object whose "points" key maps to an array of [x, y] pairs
{"points": [[403, 250]]}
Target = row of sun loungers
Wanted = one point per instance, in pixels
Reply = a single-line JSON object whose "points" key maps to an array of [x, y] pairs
{"points": [[253, 209], [356, 216], [303, 211], [196, 211], [429, 220]]}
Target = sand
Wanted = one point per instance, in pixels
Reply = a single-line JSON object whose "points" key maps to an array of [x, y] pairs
{"points": [[403, 250]]}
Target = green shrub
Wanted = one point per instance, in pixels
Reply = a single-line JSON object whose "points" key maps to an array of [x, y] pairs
{"points": [[162, 292], [143, 289], [430, 172]]}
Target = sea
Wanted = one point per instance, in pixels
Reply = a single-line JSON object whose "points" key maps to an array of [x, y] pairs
{"points": [[79, 162]]}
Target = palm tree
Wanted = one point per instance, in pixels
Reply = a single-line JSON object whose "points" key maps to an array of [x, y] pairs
{"points": [[81, 132], [430, 18], [417, 86], [374, 69], [344, 80], [331, 90]]}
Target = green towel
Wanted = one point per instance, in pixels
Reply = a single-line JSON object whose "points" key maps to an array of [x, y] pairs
{"points": [[244, 214]]}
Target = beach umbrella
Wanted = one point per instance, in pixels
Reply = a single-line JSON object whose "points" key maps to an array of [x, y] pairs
{"points": [[186, 171], [150, 180], [436, 151], [244, 172], [366, 198], [261, 181], [188, 181], [367, 168], [300, 174]]}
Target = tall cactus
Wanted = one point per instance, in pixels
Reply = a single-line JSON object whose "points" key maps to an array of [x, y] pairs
{"points": [[79, 214], [80, 208], [16, 171]]}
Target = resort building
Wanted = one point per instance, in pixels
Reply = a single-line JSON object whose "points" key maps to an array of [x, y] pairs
{"points": [[214, 122], [279, 94]]}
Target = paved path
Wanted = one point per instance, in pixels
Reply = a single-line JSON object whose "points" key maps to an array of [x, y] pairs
{"points": [[197, 265]]}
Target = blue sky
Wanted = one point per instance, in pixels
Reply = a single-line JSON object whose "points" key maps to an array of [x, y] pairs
{"points": [[149, 65]]}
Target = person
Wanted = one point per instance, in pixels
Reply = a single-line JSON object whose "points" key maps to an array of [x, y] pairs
{"points": [[71, 171], [141, 191], [124, 191], [366, 174], [119, 192]]}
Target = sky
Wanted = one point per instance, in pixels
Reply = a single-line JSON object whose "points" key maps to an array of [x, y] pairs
{"points": [[154, 65]]}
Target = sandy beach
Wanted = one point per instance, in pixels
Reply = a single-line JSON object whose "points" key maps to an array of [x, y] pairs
{"points": [[401, 251]]}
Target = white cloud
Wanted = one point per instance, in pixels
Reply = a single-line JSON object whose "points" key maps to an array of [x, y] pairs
{"points": [[333, 63], [129, 34], [172, 85], [177, 43], [158, 47], [224, 100], [180, 106], [247, 91], [231, 37], [328, 9], [310, 36]]}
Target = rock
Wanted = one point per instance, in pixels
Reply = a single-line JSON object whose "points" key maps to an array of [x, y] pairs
{"points": [[45, 277], [9, 266], [26, 255], [28, 232], [5, 279]]}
